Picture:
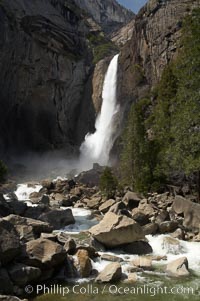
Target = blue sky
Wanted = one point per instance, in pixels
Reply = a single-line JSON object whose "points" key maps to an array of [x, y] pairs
{"points": [[134, 5]]}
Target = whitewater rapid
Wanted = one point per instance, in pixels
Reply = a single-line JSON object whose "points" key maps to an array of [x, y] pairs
{"points": [[96, 147]]}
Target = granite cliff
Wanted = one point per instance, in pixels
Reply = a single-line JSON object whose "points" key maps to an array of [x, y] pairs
{"points": [[46, 63]]}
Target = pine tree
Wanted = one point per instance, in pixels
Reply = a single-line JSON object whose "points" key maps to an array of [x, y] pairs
{"points": [[108, 183]]}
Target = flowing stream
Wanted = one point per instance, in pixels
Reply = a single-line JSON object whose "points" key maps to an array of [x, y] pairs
{"points": [[149, 283], [96, 147]]}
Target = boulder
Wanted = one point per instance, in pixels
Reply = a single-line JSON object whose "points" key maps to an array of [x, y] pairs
{"points": [[9, 242], [35, 212], [47, 183], [83, 264], [131, 199], [44, 253], [4, 208], [146, 208], [70, 246], [116, 208], [190, 210], [168, 226], [91, 177], [112, 258], [58, 218], [37, 226], [162, 216], [116, 230], [140, 217], [111, 273], [150, 229], [50, 236], [94, 203], [143, 262], [106, 205], [178, 233], [17, 207], [178, 267], [6, 285], [132, 277], [137, 247], [22, 274]]}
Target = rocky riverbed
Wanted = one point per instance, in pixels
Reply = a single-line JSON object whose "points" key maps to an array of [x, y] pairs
{"points": [[62, 231]]}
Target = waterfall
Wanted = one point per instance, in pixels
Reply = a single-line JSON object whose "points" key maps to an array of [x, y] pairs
{"points": [[97, 146]]}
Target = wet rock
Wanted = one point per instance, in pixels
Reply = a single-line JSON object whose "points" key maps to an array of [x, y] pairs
{"points": [[131, 199], [6, 285], [144, 262], [172, 245], [58, 218], [112, 258], [17, 207], [111, 273], [140, 217], [9, 242], [106, 205], [83, 264], [44, 253], [22, 274], [168, 226], [132, 277], [116, 230], [178, 267], [150, 229], [178, 233], [137, 247]]}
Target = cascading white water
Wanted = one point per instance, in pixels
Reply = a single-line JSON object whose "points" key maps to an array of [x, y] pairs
{"points": [[97, 146]]}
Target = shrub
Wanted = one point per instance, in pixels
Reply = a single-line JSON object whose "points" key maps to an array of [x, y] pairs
{"points": [[108, 183]]}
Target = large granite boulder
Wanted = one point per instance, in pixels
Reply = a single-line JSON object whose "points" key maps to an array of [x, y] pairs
{"points": [[111, 273], [178, 267], [22, 274], [44, 253], [28, 228], [116, 230], [58, 218], [9, 242], [83, 264], [190, 210]]}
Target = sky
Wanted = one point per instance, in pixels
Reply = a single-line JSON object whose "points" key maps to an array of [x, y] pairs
{"points": [[134, 5]]}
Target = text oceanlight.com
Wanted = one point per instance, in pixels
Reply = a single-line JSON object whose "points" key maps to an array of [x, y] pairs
{"points": [[112, 289]]}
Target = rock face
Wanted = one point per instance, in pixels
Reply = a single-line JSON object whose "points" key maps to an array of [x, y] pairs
{"points": [[154, 42], [45, 81], [109, 14], [115, 230]]}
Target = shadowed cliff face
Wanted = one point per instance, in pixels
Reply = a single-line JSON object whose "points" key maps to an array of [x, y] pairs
{"points": [[45, 75]]}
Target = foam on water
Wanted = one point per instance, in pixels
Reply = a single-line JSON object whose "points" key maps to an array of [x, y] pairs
{"points": [[24, 190], [83, 221]]}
